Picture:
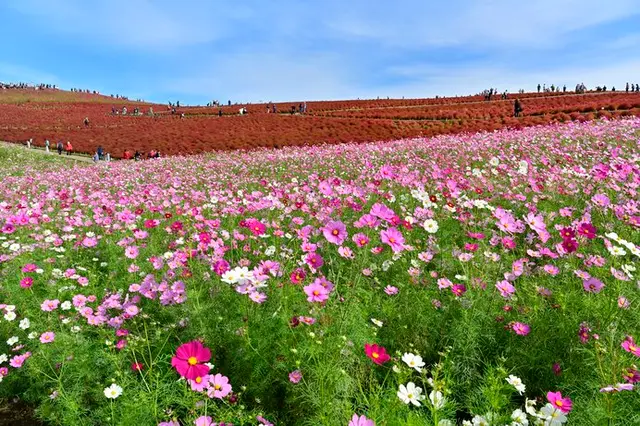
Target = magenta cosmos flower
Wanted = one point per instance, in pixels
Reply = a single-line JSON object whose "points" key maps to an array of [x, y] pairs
{"points": [[521, 328], [316, 292], [26, 282], [335, 232], [361, 421], [189, 358], [630, 346], [562, 404], [377, 354], [393, 238]]}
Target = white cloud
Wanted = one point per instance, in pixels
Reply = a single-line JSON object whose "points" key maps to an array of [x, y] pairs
{"points": [[476, 23], [138, 24]]}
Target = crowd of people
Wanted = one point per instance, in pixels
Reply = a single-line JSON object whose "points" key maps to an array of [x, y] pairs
{"points": [[40, 86]]}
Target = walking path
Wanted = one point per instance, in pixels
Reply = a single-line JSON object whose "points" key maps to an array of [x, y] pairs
{"points": [[41, 150]]}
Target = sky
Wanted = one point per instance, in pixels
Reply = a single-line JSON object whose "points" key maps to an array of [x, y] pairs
{"points": [[196, 51]]}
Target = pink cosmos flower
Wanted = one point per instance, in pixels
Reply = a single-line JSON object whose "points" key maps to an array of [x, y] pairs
{"points": [[551, 270], [219, 386], [345, 252], [335, 232], [204, 421], [131, 252], [361, 421], [18, 360], [623, 302], [49, 305], [360, 239], [631, 375], [295, 376], [169, 423], [391, 290], [316, 292], [89, 242], [47, 337], [393, 238], [314, 260], [29, 267], [630, 346], [199, 384], [593, 285], [26, 282], [619, 387], [558, 402], [601, 200], [257, 297], [506, 289], [189, 358], [521, 328]]}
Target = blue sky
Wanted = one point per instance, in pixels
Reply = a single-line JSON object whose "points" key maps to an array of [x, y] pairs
{"points": [[272, 50]]}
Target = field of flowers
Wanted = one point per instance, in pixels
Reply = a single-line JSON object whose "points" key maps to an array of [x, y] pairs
{"points": [[486, 279]]}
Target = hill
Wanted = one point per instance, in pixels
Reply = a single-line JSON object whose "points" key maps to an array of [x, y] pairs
{"points": [[58, 115]]}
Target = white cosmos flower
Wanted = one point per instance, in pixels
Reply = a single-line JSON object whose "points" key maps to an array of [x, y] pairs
{"points": [[519, 418], [377, 322], [516, 382], [10, 316], [413, 361], [616, 251], [437, 399], [113, 391], [410, 394], [431, 226], [230, 277], [3, 358], [552, 416], [25, 323], [13, 340], [65, 306]]}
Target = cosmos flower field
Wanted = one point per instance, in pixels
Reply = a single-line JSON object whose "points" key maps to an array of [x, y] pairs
{"points": [[478, 279]]}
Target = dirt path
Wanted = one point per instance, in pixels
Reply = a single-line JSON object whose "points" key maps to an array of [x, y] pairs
{"points": [[41, 150]]}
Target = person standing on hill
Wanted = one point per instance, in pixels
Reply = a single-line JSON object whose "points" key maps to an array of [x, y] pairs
{"points": [[69, 148], [46, 145], [517, 108], [86, 122], [538, 87], [59, 147]]}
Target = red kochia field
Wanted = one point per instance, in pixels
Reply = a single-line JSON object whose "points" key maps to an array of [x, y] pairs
{"points": [[58, 115]]}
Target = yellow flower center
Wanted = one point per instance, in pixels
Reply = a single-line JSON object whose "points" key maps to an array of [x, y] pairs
{"points": [[217, 387], [559, 403], [316, 292], [376, 355], [192, 360], [392, 240], [198, 379], [335, 232]]}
